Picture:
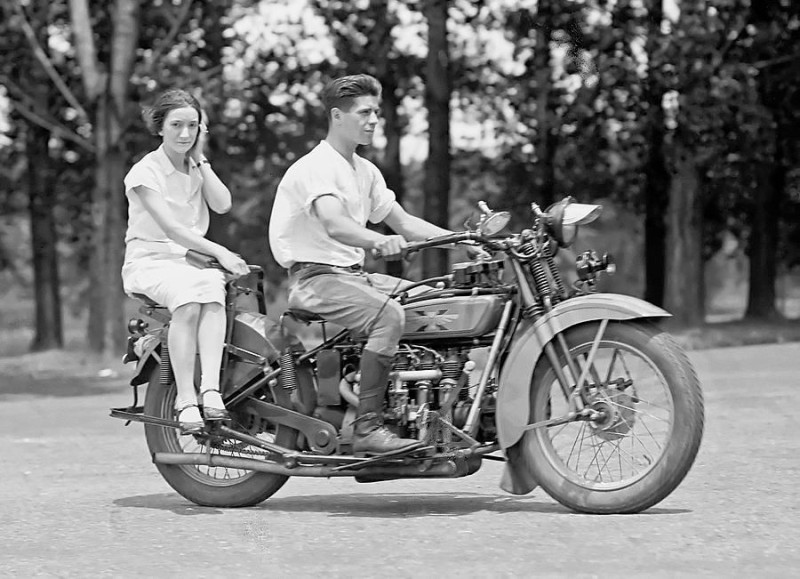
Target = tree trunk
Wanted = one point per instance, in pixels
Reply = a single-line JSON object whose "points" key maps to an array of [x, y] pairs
{"points": [[771, 169], [436, 187], [116, 224], [106, 315], [391, 166], [545, 146], [49, 331], [771, 181], [99, 268], [657, 177], [213, 53], [685, 289]]}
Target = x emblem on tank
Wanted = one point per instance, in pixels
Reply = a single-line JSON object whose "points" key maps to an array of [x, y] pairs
{"points": [[433, 320]]}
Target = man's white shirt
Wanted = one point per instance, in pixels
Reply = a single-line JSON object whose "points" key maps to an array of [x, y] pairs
{"points": [[296, 234]]}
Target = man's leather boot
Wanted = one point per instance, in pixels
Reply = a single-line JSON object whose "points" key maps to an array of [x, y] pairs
{"points": [[370, 437]]}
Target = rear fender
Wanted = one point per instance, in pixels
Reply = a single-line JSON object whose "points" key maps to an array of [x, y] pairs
{"points": [[513, 395]]}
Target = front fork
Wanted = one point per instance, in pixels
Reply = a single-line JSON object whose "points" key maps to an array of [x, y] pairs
{"points": [[573, 386], [574, 390]]}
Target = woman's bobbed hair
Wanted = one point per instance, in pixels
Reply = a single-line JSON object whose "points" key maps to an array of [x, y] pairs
{"points": [[167, 101]]}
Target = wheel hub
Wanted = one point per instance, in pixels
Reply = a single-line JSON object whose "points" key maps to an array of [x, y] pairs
{"points": [[616, 415]]}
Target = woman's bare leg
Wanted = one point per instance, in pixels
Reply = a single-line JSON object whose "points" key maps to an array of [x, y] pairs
{"points": [[182, 350], [210, 340]]}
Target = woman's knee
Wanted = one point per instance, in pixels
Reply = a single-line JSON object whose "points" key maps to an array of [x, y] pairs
{"points": [[212, 308], [186, 313]]}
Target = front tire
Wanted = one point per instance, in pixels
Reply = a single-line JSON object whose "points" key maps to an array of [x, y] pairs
{"points": [[204, 485], [650, 433]]}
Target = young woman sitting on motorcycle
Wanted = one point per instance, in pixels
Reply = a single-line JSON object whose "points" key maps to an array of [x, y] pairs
{"points": [[169, 192]]}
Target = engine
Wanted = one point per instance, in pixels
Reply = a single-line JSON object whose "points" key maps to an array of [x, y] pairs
{"points": [[426, 384]]}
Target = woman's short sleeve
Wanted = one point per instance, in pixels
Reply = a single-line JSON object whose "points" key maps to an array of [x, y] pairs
{"points": [[143, 174]]}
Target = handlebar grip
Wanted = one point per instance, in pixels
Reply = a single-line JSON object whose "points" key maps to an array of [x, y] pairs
{"points": [[378, 255]]}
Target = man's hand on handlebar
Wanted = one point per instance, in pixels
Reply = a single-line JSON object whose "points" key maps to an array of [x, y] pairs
{"points": [[475, 252], [390, 247]]}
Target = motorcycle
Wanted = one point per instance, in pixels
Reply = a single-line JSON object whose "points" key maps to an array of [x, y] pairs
{"points": [[579, 392]]}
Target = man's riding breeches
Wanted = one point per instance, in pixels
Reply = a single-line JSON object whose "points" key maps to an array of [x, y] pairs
{"points": [[353, 299]]}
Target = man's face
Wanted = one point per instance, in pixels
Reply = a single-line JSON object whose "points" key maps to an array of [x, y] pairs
{"points": [[358, 123]]}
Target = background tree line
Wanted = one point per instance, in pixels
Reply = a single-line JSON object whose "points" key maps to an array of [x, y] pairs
{"points": [[684, 113]]}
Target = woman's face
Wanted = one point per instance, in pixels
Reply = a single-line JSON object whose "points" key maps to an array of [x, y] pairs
{"points": [[180, 128]]}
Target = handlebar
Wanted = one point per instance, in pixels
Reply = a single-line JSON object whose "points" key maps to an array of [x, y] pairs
{"points": [[448, 239]]}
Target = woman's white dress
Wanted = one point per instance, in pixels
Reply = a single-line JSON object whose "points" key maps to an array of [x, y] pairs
{"points": [[154, 264]]}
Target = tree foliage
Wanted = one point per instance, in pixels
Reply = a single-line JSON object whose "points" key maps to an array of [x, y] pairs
{"points": [[661, 112]]}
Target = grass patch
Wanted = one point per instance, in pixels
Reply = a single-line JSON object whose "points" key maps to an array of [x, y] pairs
{"points": [[736, 333]]}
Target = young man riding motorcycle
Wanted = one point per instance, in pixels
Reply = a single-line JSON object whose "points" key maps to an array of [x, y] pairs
{"points": [[318, 232]]}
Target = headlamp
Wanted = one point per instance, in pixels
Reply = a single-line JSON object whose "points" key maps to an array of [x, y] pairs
{"points": [[564, 217]]}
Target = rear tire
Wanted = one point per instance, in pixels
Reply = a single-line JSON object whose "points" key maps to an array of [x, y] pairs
{"points": [[644, 450], [204, 485]]}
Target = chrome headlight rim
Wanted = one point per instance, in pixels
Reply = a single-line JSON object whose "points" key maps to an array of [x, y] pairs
{"points": [[565, 217]]}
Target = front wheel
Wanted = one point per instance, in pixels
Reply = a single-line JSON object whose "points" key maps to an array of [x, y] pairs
{"points": [[650, 408], [210, 486]]}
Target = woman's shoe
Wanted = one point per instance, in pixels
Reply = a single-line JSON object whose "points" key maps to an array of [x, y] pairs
{"points": [[213, 412], [189, 419]]}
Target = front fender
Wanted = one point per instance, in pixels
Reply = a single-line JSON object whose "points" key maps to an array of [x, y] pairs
{"points": [[513, 395]]}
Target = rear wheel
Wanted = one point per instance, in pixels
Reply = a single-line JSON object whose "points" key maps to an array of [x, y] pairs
{"points": [[649, 428], [209, 485]]}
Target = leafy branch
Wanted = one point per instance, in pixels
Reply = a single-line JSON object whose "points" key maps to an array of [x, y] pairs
{"points": [[25, 106], [169, 40], [43, 59]]}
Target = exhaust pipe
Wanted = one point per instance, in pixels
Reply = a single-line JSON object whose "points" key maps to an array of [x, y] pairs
{"points": [[445, 469]]}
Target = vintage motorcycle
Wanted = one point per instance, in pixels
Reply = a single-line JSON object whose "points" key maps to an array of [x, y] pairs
{"points": [[577, 391]]}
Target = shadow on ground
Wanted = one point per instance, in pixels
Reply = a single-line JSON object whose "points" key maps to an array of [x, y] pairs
{"points": [[378, 505]]}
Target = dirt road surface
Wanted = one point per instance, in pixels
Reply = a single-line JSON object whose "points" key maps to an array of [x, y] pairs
{"points": [[79, 497]]}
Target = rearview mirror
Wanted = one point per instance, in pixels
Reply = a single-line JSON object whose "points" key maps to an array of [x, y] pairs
{"points": [[494, 223]]}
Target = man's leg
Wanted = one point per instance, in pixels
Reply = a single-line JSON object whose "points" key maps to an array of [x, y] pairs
{"points": [[351, 301], [369, 434]]}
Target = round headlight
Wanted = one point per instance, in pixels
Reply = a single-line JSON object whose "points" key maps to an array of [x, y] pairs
{"points": [[564, 236], [564, 217], [568, 234]]}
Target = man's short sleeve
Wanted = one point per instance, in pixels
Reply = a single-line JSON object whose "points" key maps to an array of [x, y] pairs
{"points": [[142, 173], [381, 197], [318, 184]]}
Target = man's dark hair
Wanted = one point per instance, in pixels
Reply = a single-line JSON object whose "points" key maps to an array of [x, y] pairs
{"points": [[341, 92], [167, 101]]}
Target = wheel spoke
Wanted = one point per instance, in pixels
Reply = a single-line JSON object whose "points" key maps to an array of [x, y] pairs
{"points": [[611, 365], [617, 447], [605, 461], [594, 458], [637, 411], [582, 429], [597, 451]]}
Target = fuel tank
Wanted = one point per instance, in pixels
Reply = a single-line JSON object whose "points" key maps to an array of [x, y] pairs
{"points": [[452, 317]]}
